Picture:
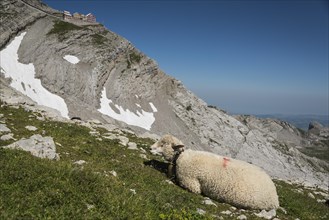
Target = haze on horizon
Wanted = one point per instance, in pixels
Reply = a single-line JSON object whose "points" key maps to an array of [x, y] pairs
{"points": [[247, 57]]}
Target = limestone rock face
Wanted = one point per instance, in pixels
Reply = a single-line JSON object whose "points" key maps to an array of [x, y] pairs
{"points": [[113, 82], [15, 16]]}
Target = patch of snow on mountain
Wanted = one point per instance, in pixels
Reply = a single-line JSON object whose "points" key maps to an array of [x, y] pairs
{"points": [[71, 59], [143, 119], [138, 105], [23, 78], [153, 107]]}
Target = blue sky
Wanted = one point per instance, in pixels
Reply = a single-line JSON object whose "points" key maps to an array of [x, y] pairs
{"points": [[247, 57]]}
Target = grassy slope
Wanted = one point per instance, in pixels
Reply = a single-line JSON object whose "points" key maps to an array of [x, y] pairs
{"points": [[33, 188]]}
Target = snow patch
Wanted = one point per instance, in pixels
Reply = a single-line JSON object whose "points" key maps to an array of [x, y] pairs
{"points": [[153, 107], [23, 78], [71, 59], [143, 119], [138, 105]]}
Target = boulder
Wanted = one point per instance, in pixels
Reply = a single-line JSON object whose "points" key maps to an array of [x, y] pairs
{"points": [[315, 128], [43, 147], [4, 128]]}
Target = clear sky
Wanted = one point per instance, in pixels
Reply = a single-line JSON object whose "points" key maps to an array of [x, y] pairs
{"points": [[247, 57]]}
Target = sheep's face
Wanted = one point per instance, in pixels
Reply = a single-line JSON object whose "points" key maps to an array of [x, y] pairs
{"points": [[167, 146]]}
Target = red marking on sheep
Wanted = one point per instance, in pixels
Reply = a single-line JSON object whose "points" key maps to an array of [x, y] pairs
{"points": [[226, 160]]}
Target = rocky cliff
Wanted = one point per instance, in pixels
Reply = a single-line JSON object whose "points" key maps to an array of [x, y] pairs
{"points": [[100, 75]]}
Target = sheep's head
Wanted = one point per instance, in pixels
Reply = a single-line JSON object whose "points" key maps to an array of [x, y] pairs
{"points": [[167, 146]]}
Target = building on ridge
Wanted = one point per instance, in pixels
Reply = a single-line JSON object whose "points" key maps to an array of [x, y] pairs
{"points": [[78, 17], [67, 15], [91, 18]]}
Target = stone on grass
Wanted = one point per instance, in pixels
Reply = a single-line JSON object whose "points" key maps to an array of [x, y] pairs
{"points": [[169, 182], [58, 144], [114, 173], [311, 195], [200, 211], [89, 206], [94, 133], [7, 137], [233, 208], [321, 200], [109, 136], [266, 214], [241, 217], [43, 147], [322, 194], [31, 128], [142, 150], [143, 156], [79, 162], [123, 140], [227, 212], [132, 146], [4, 128], [208, 201]]}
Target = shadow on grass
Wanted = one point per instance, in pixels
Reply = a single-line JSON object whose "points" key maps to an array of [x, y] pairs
{"points": [[158, 165]]}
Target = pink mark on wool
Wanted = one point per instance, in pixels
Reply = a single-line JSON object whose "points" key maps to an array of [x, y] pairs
{"points": [[225, 163]]}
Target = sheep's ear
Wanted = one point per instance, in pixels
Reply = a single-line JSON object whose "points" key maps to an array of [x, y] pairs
{"points": [[178, 147]]}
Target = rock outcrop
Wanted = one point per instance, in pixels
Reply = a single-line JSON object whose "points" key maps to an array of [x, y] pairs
{"points": [[43, 147], [113, 82], [317, 129], [15, 16]]}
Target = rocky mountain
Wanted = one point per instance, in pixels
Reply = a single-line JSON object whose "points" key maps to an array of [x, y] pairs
{"points": [[299, 121], [89, 72]]}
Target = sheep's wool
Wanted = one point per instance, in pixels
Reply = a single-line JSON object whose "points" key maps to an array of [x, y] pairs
{"points": [[220, 178], [226, 179]]}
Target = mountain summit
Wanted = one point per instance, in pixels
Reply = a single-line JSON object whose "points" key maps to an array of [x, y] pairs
{"points": [[86, 71]]}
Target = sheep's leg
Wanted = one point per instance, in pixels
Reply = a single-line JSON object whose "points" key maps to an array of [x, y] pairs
{"points": [[191, 184], [170, 172]]}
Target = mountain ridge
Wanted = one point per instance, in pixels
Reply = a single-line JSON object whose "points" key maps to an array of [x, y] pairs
{"points": [[301, 120]]}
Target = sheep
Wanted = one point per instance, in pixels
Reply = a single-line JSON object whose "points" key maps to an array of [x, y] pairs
{"points": [[221, 178]]}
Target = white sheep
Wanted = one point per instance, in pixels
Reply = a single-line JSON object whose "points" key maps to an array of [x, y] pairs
{"points": [[221, 178]]}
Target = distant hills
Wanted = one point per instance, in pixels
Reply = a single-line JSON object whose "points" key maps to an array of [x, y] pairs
{"points": [[300, 121]]}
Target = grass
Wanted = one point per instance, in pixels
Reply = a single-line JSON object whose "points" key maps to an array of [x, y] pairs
{"points": [[98, 39], [34, 188], [61, 28], [321, 152], [299, 204], [133, 58]]}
